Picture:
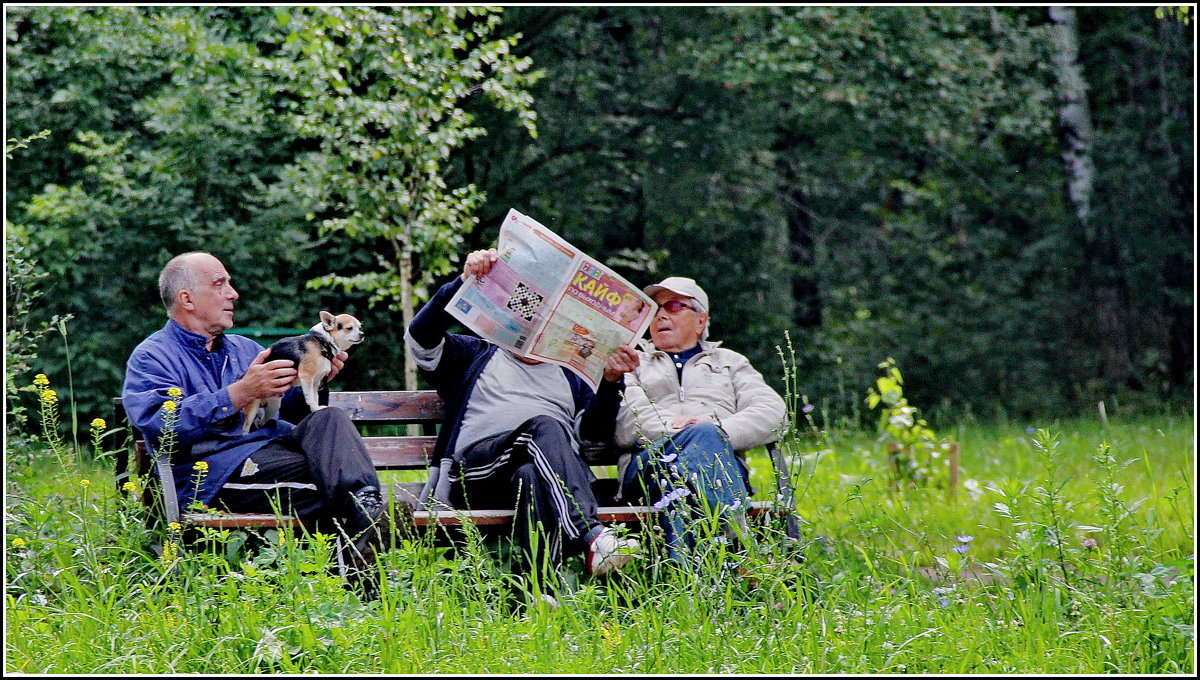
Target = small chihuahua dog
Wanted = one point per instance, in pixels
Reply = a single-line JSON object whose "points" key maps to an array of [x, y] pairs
{"points": [[312, 354]]}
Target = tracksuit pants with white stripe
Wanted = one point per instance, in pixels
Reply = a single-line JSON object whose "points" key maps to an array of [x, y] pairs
{"points": [[536, 470], [311, 472]]}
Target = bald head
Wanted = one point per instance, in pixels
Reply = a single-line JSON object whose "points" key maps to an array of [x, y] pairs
{"points": [[179, 274], [198, 294]]}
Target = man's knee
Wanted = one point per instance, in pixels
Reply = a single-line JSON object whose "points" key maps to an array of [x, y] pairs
{"points": [[543, 425], [331, 422], [550, 435], [330, 416], [525, 478]]}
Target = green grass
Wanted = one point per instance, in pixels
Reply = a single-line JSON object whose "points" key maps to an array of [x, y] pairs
{"points": [[880, 588]]}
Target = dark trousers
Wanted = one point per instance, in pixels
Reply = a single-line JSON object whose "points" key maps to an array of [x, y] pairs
{"points": [[536, 470], [311, 472]]}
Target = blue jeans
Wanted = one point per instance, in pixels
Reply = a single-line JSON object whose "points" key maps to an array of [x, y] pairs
{"points": [[691, 476]]}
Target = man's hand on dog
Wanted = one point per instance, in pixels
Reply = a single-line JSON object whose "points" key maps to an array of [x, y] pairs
{"points": [[336, 364], [479, 263], [263, 379]]}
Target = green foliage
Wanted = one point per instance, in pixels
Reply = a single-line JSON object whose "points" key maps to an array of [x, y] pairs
{"points": [[13, 144], [898, 421], [20, 338], [183, 139], [903, 147], [877, 182], [171, 134], [23, 280], [1176, 12], [382, 93]]}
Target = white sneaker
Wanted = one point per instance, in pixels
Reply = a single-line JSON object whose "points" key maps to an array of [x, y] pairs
{"points": [[607, 552]]}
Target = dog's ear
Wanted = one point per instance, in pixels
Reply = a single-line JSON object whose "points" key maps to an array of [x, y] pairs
{"points": [[328, 320]]}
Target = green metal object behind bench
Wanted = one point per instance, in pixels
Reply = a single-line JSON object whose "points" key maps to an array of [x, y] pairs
{"points": [[267, 336]]}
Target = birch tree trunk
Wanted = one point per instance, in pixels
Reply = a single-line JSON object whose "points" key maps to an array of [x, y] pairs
{"points": [[1104, 276], [1074, 115], [406, 305]]}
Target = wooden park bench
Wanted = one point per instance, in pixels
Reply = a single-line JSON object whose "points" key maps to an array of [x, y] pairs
{"points": [[405, 452]]}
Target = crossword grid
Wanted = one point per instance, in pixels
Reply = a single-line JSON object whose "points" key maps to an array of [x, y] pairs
{"points": [[525, 301]]}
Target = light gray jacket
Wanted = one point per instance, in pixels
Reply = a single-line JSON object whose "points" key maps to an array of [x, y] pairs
{"points": [[717, 383]]}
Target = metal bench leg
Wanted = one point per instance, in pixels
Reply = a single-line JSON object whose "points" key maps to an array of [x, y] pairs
{"points": [[783, 485]]}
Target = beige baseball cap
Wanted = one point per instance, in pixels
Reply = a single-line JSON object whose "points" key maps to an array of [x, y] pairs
{"points": [[680, 285]]}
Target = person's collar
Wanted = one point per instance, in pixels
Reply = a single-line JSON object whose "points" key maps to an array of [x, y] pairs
{"points": [[647, 345], [192, 340], [682, 357]]}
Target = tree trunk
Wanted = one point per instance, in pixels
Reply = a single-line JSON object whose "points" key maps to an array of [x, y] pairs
{"points": [[1074, 115], [1103, 277], [406, 304], [801, 246]]}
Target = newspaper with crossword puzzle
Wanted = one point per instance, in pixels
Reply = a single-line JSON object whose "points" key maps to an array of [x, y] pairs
{"points": [[545, 299]]}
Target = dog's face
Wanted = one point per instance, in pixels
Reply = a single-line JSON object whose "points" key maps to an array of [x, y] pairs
{"points": [[345, 330]]}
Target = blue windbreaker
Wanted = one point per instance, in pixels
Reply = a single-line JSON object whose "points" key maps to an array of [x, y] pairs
{"points": [[208, 427]]}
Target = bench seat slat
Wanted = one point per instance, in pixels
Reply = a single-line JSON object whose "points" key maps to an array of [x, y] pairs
{"points": [[239, 520], [614, 513]]}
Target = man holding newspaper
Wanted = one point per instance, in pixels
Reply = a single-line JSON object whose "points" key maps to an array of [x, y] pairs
{"points": [[547, 372], [513, 423]]}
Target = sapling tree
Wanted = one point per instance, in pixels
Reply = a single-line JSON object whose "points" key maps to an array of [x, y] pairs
{"points": [[914, 447], [380, 94]]}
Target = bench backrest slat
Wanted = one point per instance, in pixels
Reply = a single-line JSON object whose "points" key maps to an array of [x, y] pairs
{"points": [[400, 453], [366, 408]]}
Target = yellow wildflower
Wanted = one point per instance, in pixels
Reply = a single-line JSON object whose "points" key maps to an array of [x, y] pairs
{"points": [[174, 392], [18, 542], [169, 406], [40, 380], [201, 465], [99, 424], [175, 527], [85, 483], [49, 397], [170, 549], [129, 486], [611, 635]]}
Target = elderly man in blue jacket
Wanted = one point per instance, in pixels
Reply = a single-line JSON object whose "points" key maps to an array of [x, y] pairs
{"points": [[317, 469]]}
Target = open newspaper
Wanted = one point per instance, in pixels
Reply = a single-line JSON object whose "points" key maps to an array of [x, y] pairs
{"points": [[545, 299]]}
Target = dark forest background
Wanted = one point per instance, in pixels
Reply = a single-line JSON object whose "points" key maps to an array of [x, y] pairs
{"points": [[999, 198]]}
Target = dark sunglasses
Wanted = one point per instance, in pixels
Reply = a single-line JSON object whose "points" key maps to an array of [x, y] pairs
{"points": [[675, 306]]}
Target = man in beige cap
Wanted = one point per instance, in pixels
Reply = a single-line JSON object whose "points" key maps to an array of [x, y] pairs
{"points": [[690, 411]]}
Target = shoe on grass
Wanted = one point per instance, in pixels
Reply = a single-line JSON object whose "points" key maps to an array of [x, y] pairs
{"points": [[369, 528], [607, 551]]}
